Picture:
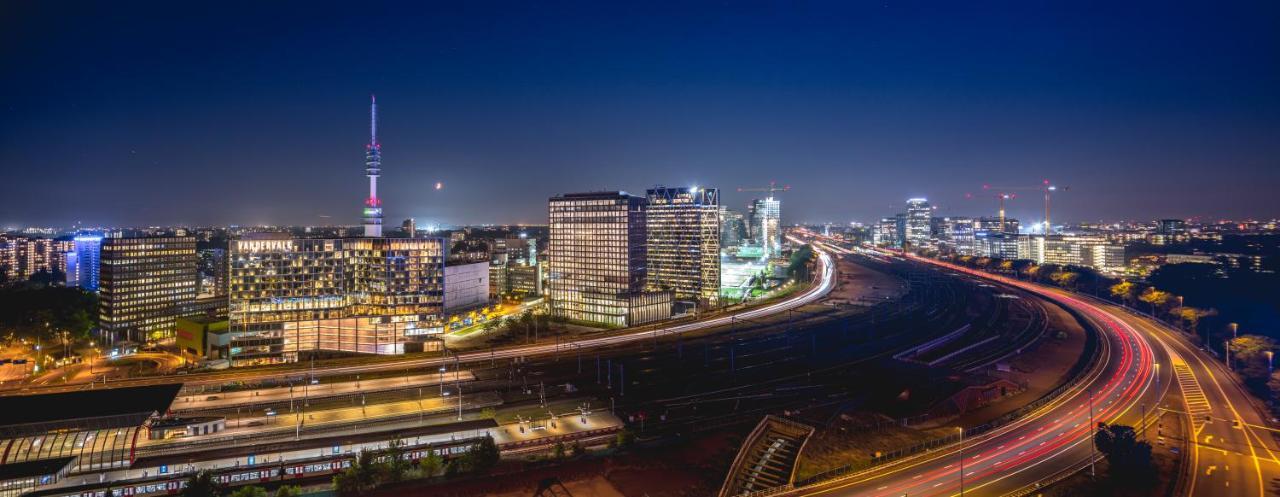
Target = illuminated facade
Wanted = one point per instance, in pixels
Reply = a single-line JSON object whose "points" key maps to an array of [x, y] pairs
{"points": [[766, 225], [22, 257], [596, 260], [918, 214], [145, 284], [373, 169], [682, 227], [88, 262], [359, 295]]}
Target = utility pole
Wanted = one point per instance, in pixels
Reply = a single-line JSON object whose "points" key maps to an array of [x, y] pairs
{"points": [[961, 428], [1093, 439]]}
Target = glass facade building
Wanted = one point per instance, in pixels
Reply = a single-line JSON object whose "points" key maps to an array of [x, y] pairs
{"points": [[145, 284], [360, 295], [597, 260], [683, 238], [918, 214], [766, 225]]}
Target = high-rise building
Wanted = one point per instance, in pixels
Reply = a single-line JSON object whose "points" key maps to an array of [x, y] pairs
{"points": [[999, 245], [992, 225], [886, 233], [766, 225], [213, 272], [373, 169], [733, 227], [84, 262], [683, 233], [596, 259], [145, 283], [409, 227], [917, 230], [959, 234], [22, 257], [1173, 227], [359, 295]]}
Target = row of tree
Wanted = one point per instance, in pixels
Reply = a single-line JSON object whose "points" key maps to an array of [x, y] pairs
{"points": [[371, 469], [1251, 355], [1158, 302], [205, 484]]}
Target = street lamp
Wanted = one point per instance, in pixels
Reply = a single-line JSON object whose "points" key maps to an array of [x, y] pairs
{"points": [[961, 430], [1270, 355]]}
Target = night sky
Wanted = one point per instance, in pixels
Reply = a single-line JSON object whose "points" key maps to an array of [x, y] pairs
{"points": [[251, 113]]}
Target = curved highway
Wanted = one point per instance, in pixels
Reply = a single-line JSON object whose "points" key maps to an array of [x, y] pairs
{"points": [[1042, 444]]}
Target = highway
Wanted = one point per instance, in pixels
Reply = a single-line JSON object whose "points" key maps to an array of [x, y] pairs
{"points": [[817, 291], [1039, 445], [1234, 452]]}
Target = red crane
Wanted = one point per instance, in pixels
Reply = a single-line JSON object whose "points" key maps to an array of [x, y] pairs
{"points": [[1045, 187], [773, 187]]}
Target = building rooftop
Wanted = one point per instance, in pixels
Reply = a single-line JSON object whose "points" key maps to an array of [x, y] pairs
{"points": [[90, 409]]}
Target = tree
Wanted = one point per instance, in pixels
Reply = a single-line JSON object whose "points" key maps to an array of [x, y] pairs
{"points": [[798, 266], [577, 449], [1273, 384], [203, 484], [1006, 266], [361, 477], [249, 491], [559, 450], [482, 456], [1249, 354], [1157, 298], [1123, 290], [1030, 271], [289, 491], [1192, 315], [397, 464], [431, 464], [1065, 279], [1128, 458]]}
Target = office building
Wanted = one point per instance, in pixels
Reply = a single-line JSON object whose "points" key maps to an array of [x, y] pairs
{"points": [[1172, 227], [917, 229], [466, 286], [733, 227], [409, 227], [144, 284], [213, 272], [959, 234], [596, 259], [999, 245], [290, 297], [682, 227], [87, 255], [766, 225], [886, 233], [992, 225]]}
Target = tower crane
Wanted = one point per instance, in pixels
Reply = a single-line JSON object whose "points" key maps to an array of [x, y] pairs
{"points": [[1045, 187], [773, 187], [1002, 197]]}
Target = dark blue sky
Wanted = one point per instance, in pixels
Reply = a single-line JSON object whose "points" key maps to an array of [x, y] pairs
{"points": [[255, 112]]}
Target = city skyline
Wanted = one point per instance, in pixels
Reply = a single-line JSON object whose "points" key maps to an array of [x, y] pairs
{"points": [[505, 111]]}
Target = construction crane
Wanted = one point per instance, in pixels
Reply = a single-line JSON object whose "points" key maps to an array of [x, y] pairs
{"points": [[1001, 197], [773, 187], [1045, 187]]}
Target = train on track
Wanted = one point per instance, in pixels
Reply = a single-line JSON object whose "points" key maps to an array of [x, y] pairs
{"points": [[273, 473]]}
